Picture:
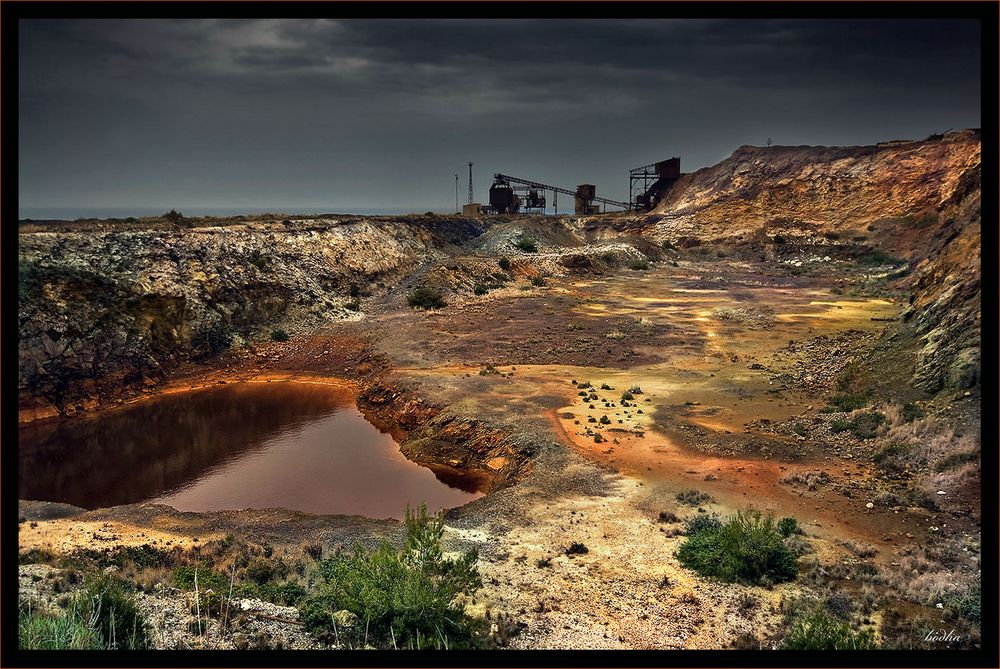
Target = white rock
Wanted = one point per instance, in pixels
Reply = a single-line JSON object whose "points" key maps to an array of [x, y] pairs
{"points": [[870, 505], [941, 492]]}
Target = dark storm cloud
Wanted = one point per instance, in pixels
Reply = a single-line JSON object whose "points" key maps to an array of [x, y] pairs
{"points": [[273, 113]]}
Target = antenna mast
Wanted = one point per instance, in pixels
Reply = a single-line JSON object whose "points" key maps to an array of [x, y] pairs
{"points": [[470, 183]]}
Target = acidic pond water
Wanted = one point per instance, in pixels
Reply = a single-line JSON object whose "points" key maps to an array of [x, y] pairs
{"points": [[237, 446]]}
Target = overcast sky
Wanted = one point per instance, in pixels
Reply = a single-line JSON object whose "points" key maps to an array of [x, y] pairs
{"points": [[380, 115]]}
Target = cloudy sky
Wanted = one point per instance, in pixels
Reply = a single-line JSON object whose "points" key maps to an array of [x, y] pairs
{"points": [[379, 115]]}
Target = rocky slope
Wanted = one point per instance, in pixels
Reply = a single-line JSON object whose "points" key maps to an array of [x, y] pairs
{"points": [[809, 188], [102, 309]]}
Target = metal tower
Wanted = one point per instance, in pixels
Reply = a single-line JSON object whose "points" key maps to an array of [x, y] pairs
{"points": [[470, 183]]}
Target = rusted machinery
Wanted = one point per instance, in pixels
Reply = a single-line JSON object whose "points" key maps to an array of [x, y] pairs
{"points": [[648, 184], [504, 197]]}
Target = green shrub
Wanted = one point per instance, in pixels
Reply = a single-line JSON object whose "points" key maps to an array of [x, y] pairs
{"points": [[747, 548], [839, 425], [353, 305], [425, 298], [639, 265], [788, 526], [405, 598], [819, 630], [279, 335], [480, 289], [107, 601], [847, 402], [878, 257], [526, 244], [504, 264], [537, 281], [174, 216]]}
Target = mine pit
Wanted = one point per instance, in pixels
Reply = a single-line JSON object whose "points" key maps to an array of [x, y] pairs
{"points": [[301, 446]]}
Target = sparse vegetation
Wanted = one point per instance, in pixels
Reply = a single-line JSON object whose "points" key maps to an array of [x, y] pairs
{"points": [[504, 264], [693, 497], [818, 630], [279, 335]]}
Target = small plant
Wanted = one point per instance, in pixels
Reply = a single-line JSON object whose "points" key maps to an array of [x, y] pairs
{"points": [[778, 239], [425, 298], [788, 526], [544, 563], [635, 390], [627, 396], [537, 281], [846, 402], [693, 497], [605, 420], [639, 265], [353, 306], [109, 603], [576, 548], [279, 335], [747, 548], [480, 289], [819, 630], [667, 517], [174, 216], [62, 631], [526, 244], [504, 264]]}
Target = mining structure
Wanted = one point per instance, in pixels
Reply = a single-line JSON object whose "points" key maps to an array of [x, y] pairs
{"points": [[647, 186]]}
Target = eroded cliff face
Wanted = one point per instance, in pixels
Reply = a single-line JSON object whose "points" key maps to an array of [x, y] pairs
{"points": [[917, 200], [806, 188], [103, 309]]}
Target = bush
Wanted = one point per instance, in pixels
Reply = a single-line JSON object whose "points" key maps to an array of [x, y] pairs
{"points": [[788, 526], [846, 402], [627, 395], [504, 264], [819, 630], [576, 548], [693, 497], [526, 244], [425, 298], [279, 335], [778, 239], [402, 598], [639, 265], [353, 305], [174, 216], [747, 548], [537, 281], [480, 289], [865, 425]]}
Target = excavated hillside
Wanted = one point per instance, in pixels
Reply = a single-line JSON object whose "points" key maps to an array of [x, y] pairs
{"points": [[916, 201], [109, 307]]}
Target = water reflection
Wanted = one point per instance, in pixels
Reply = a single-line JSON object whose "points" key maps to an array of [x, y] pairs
{"points": [[290, 445]]}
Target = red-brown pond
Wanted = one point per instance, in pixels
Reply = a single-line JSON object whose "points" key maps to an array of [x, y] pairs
{"points": [[246, 445]]}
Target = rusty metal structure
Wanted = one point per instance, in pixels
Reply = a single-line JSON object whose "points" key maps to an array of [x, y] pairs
{"points": [[505, 198], [648, 184]]}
